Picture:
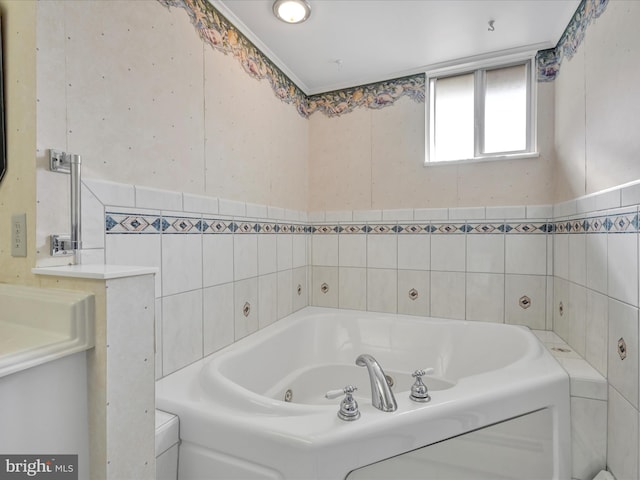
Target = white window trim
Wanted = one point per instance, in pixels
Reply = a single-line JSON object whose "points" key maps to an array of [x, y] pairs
{"points": [[469, 67]]}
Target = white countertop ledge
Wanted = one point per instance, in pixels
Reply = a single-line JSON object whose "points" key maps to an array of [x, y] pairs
{"points": [[39, 325], [96, 272]]}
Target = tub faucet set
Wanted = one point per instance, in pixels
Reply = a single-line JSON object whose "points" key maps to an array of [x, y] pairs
{"points": [[382, 397]]}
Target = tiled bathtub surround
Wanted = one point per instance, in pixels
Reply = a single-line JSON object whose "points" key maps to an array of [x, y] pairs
{"points": [[231, 268], [596, 281], [454, 263], [571, 267], [212, 263]]}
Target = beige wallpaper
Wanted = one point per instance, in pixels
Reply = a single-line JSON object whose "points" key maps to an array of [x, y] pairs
{"points": [[132, 88], [17, 190], [374, 159], [598, 106]]}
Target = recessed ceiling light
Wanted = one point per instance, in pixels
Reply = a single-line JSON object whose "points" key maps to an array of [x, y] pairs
{"points": [[291, 11]]}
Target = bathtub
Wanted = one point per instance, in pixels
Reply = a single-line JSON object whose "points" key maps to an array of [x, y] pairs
{"points": [[257, 409]]}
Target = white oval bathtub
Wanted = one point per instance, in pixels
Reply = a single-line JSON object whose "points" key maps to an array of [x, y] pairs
{"points": [[234, 422]]}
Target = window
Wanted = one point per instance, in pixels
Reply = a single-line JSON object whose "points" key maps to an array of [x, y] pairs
{"points": [[481, 114]]}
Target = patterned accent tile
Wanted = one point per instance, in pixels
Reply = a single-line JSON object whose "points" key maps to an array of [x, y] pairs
{"points": [[325, 229], [353, 229], [414, 228], [595, 225], [485, 228], [382, 229], [247, 227], [449, 228], [623, 223], [160, 224], [180, 225], [267, 227], [538, 228], [131, 223], [217, 226]]}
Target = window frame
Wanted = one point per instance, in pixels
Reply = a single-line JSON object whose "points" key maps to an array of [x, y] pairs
{"points": [[479, 68]]}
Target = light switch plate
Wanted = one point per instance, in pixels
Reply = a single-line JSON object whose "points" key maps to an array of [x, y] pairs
{"points": [[19, 235]]}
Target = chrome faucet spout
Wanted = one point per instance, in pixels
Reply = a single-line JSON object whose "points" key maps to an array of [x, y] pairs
{"points": [[381, 395]]}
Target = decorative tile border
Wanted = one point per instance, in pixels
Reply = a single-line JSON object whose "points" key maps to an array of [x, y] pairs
{"points": [[214, 29], [615, 223], [549, 61], [433, 228], [132, 223]]}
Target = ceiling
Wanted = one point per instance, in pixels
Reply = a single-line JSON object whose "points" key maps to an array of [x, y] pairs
{"points": [[346, 43]]}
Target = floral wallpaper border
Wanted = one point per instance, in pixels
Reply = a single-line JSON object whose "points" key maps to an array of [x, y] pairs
{"points": [[223, 36], [548, 61]]}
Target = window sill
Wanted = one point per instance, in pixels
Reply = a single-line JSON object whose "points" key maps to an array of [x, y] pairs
{"points": [[515, 156]]}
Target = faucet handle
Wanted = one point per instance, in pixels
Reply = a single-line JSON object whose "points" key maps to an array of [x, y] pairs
{"points": [[348, 407], [419, 391], [422, 373], [349, 389]]}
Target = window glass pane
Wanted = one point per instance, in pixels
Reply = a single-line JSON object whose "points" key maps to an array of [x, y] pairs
{"points": [[505, 114], [453, 122]]}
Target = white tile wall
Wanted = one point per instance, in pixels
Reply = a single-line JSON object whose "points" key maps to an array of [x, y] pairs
{"points": [[597, 331], [413, 280], [153, 198], [577, 318], [526, 254], [321, 275], [217, 259], [324, 250], [285, 251], [532, 286], [352, 250], [382, 290], [205, 279], [485, 253], [623, 374], [143, 250], [245, 256], [246, 307], [596, 262], [300, 277], [414, 252], [589, 445], [181, 330], [448, 294], [448, 253], [622, 437], [267, 254], [622, 267], [485, 297], [352, 288], [285, 296], [218, 317], [382, 251], [181, 263], [267, 299]]}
